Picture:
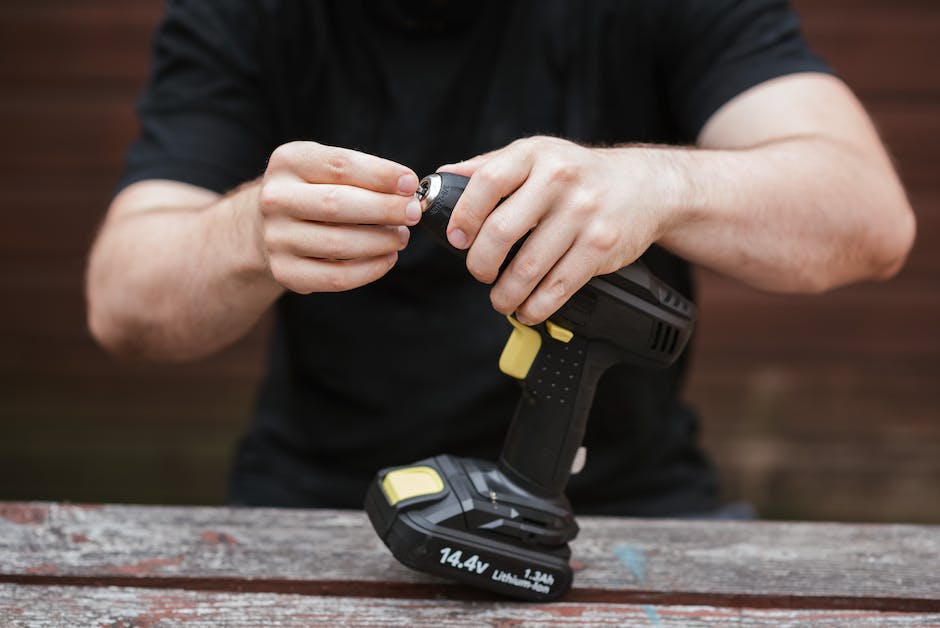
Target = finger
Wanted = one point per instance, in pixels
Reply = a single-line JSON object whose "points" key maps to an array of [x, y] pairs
{"points": [[316, 163], [506, 225], [545, 246], [305, 275], [339, 203], [496, 179], [567, 276], [468, 166], [334, 241]]}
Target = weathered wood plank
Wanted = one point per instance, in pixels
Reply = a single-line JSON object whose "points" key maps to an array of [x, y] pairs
{"points": [[853, 441], [877, 45], [757, 564], [98, 43], [862, 322], [40, 606]]}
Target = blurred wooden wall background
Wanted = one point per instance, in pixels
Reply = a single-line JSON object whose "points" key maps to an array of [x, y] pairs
{"points": [[816, 407]]}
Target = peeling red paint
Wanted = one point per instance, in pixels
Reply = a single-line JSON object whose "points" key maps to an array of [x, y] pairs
{"points": [[24, 513], [164, 608], [149, 566], [215, 538], [79, 538], [565, 611], [577, 565], [43, 570]]}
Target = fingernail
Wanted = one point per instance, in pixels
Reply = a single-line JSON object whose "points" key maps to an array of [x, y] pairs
{"points": [[413, 212], [392, 258], [404, 234], [407, 183], [457, 238]]}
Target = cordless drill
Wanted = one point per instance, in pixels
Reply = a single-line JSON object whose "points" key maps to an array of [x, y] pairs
{"points": [[505, 526]]}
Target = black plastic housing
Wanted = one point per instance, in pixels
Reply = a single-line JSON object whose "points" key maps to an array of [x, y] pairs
{"points": [[515, 543], [513, 516]]}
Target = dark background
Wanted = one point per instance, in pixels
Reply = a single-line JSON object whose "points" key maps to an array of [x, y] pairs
{"points": [[815, 407]]}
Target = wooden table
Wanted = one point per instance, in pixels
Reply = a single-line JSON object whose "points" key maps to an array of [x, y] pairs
{"points": [[119, 566]]}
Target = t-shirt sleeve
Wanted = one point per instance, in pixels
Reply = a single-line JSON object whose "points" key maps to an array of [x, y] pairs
{"points": [[716, 49], [203, 116]]}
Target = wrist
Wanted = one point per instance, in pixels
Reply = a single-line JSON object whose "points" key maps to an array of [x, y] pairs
{"points": [[660, 181], [242, 216]]}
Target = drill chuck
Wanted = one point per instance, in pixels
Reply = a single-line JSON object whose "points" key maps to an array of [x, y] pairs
{"points": [[438, 194]]}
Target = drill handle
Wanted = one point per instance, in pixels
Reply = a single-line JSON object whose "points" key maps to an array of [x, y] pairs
{"points": [[551, 416]]}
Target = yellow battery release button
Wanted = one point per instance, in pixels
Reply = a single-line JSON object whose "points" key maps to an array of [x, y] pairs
{"points": [[558, 332], [520, 351], [411, 482]]}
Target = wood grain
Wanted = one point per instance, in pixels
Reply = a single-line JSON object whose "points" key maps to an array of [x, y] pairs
{"points": [[121, 606], [748, 564]]}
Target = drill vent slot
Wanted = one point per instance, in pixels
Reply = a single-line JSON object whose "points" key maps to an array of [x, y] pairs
{"points": [[673, 337], [664, 337], [656, 333]]}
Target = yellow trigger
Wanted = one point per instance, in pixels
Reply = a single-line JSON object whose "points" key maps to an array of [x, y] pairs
{"points": [[520, 350], [558, 332]]}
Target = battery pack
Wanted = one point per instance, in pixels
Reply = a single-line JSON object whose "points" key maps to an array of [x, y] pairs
{"points": [[461, 519]]}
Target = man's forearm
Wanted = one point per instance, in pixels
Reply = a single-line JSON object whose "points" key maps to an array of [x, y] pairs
{"points": [[178, 281], [790, 191], [797, 194], [802, 214]]}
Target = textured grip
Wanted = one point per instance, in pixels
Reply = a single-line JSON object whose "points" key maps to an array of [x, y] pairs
{"points": [[550, 420]]}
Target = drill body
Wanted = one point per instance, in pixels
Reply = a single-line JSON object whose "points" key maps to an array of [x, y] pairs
{"points": [[505, 525]]}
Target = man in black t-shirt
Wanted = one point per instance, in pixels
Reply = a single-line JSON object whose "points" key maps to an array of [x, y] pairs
{"points": [[280, 146]]}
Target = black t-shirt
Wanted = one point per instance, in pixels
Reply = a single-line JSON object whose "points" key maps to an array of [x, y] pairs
{"points": [[406, 367]]}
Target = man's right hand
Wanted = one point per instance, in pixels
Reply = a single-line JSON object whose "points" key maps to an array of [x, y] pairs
{"points": [[333, 219], [178, 271]]}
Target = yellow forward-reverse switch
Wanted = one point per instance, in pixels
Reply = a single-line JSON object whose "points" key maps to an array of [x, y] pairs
{"points": [[520, 351], [402, 484], [558, 332]]}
